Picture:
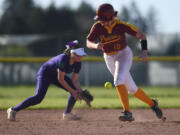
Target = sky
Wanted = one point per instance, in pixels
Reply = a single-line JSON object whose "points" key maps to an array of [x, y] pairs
{"points": [[167, 10]]}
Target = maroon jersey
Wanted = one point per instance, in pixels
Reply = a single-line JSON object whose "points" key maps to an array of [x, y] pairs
{"points": [[113, 37]]}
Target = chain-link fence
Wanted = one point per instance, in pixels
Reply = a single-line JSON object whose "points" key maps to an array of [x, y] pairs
{"points": [[96, 73]]}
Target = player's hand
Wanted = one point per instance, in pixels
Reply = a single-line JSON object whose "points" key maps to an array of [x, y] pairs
{"points": [[75, 94], [100, 46], [144, 55]]}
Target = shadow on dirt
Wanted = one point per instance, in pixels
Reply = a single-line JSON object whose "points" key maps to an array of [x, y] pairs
{"points": [[177, 122]]}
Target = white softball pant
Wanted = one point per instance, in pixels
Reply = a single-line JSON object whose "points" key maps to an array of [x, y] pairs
{"points": [[119, 65]]}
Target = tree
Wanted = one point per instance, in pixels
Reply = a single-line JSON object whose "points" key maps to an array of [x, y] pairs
{"points": [[132, 14], [14, 18], [36, 21], [151, 21], [174, 47], [125, 14]]}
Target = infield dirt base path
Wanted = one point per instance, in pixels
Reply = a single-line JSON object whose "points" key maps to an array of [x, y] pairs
{"points": [[93, 122]]}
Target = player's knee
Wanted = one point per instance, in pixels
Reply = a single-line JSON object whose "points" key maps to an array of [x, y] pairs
{"points": [[118, 82], [38, 99], [131, 88], [132, 91]]}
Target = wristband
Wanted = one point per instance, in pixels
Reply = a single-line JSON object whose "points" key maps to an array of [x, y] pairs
{"points": [[144, 44]]}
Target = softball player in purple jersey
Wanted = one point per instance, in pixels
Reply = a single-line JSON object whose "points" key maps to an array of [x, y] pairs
{"points": [[54, 72]]}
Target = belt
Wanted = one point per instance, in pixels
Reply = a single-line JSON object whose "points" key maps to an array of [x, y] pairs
{"points": [[115, 52], [111, 53]]}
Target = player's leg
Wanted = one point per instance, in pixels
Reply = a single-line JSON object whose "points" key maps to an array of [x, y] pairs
{"points": [[41, 89], [137, 92], [113, 66], [141, 95], [119, 66], [71, 101], [122, 66], [110, 63]]}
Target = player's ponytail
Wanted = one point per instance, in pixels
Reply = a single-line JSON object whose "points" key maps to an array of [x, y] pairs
{"points": [[71, 45]]}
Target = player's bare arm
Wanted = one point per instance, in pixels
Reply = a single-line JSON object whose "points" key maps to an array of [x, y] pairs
{"points": [[93, 45], [143, 41], [75, 81], [140, 36], [65, 85]]}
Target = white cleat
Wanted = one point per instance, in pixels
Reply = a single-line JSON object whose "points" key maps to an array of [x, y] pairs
{"points": [[11, 114], [70, 116]]}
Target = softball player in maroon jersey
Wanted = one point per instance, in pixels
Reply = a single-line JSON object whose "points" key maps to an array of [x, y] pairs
{"points": [[110, 33]]}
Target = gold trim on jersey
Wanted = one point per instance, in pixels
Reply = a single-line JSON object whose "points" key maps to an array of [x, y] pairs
{"points": [[111, 41], [110, 28], [117, 21], [129, 25], [112, 53], [109, 38]]}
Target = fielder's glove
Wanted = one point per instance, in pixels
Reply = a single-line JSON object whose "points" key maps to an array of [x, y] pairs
{"points": [[86, 96]]}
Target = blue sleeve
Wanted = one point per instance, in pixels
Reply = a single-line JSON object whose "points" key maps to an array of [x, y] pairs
{"points": [[77, 67]]}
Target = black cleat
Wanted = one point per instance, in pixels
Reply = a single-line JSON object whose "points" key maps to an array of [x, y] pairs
{"points": [[156, 109], [126, 117]]}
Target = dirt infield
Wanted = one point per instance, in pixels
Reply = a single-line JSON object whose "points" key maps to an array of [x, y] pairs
{"points": [[93, 122]]}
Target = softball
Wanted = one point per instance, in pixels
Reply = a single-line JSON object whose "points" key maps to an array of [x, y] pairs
{"points": [[108, 85]]}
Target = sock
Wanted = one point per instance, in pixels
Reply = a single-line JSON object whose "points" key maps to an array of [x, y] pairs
{"points": [[143, 97], [70, 105], [123, 95]]}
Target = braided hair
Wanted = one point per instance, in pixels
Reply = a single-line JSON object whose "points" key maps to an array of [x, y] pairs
{"points": [[71, 45]]}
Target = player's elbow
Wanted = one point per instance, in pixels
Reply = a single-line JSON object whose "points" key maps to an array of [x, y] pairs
{"points": [[88, 43], [60, 79], [141, 36]]}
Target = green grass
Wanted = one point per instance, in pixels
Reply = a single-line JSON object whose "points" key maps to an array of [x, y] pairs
{"points": [[169, 97]]}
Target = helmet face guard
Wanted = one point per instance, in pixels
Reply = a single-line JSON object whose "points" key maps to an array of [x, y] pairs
{"points": [[105, 12]]}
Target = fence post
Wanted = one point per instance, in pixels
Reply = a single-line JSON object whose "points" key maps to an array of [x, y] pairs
{"points": [[86, 74]]}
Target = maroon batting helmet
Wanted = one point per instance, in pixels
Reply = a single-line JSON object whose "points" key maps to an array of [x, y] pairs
{"points": [[105, 12]]}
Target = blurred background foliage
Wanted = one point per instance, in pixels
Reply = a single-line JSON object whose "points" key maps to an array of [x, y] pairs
{"points": [[28, 30], [62, 24]]}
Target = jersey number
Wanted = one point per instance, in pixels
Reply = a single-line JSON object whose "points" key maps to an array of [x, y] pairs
{"points": [[117, 47]]}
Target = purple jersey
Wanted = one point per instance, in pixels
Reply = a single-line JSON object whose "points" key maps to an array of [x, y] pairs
{"points": [[62, 62]]}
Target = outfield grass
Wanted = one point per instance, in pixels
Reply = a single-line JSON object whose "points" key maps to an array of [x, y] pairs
{"points": [[169, 97]]}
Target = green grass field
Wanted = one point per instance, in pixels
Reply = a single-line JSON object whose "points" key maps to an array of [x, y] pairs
{"points": [[169, 97]]}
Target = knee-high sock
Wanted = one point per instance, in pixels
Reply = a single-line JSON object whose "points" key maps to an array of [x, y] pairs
{"points": [[143, 97], [70, 105], [123, 95]]}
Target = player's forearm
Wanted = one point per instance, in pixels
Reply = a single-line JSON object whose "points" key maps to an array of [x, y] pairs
{"points": [[141, 36], [65, 85], [77, 85], [61, 80], [91, 45], [143, 41]]}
